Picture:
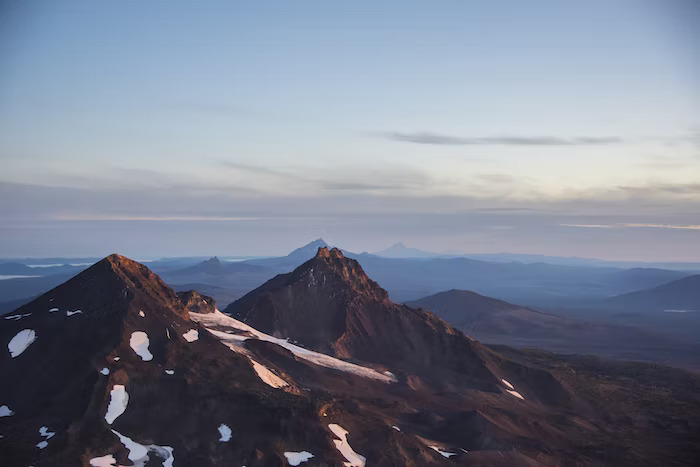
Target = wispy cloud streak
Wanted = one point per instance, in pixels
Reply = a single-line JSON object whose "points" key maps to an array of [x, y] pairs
{"points": [[425, 137], [633, 225]]}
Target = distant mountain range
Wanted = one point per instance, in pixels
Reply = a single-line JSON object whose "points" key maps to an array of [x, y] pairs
{"points": [[316, 367], [399, 250], [583, 292], [497, 322], [679, 296]]}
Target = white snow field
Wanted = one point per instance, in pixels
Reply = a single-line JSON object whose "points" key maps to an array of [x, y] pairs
{"points": [[139, 342], [117, 404], [191, 335], [18, 317], [44, 431], [104, 461], [236, 343], [268, 376], [138, 453], [296, 458], [342, 445], [443, 453], [21, 341], [512, 390], [515, 393], [225, 433]]}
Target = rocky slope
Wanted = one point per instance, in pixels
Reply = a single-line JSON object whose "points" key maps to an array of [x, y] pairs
{"points": [[113, 368]]}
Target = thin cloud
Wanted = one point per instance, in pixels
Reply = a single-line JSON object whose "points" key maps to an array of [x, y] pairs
{"points": [[91, 217], [425, 137], [633, 225], [589, 226], [665, 226]]}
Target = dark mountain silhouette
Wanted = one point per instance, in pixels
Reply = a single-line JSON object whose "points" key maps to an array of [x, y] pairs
{"points": [[330, 305], [214, 266], [497, 322], [205, 389], [222, 280], [16, 269], [399, 250], [682, 295], [534, 284], [307, 251]]}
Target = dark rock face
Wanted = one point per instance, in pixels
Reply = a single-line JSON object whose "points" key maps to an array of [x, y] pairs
{"points": [[330, 305], [196, 303]]}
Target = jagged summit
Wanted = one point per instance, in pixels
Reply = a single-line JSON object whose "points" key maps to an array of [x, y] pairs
{"points": [[331, 268], [330, 305]]}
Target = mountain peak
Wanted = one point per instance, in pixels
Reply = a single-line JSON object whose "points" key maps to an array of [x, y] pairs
{"points": [[213, 260], [307, 251], [116, 278], [398, 246], [324, 252], [336, 269]]}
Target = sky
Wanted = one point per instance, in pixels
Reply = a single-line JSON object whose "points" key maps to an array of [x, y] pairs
{"points": [[244, 128]]}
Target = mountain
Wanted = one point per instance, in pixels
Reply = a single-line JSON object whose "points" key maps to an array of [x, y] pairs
{"points": [[222, 280], [214, 266], [15, 269], [113, 368], [307, 251], [109, 369], [328, 304], [18, 269], [682, 295], [197, 303], [476, 314], [399, 250], [537, 284], [497, 322]]}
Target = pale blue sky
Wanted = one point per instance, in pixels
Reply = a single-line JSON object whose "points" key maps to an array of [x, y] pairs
{"points": [[293, 114]]}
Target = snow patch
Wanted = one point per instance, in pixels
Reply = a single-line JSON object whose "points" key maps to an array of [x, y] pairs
{"points": [[236, 343], [17, 317], [191, 335], [515, 393], [396, 428], [139, 454], [225, 432], [139, 342], [296, 458], [141, 314], [268, 376], [342, 445], [71, 313], [443, 453], [44, 431], [53, 310], [116, 359], [104, 371], [510, 386], [104, 461], [117, 404], [21, 341], [170, 372], [5, 411]]}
